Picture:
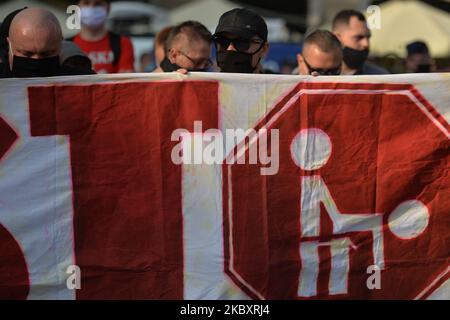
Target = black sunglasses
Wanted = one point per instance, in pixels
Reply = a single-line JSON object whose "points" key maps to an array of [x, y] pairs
{"points": [[241, 45], [323, 72]]}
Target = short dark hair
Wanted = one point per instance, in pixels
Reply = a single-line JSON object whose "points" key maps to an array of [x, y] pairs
{"points": [[344, 16], [194, 30], [324, 39], [417, 47], [162, 35]]}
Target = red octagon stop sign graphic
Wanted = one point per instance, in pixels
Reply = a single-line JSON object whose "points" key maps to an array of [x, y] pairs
{"points": [[363, 181]]}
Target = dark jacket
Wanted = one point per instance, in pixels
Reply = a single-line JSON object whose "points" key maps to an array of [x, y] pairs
{"points": [[5, 72], [368, 69]]}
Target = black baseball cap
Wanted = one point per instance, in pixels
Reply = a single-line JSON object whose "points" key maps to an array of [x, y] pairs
{"points": [[242, 22]]}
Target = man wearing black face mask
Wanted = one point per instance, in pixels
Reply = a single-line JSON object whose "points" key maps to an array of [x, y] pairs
{"points": [[188, 47], [34, 43], [241, 41], [350, 27]]}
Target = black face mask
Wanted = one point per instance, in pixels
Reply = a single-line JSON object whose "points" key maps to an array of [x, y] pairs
{"points": [[168, 66], [235, 62], [423, 68], [24, 67], [354, 59]]}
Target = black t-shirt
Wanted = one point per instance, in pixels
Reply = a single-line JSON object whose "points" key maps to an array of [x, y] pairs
{"points": [[5, 72]]}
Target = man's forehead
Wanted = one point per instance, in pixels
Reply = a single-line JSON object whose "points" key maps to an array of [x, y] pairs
{"points": [[35, 35], [200, 48], [314, 49], [37, 47], [357, 26], [313, 54], [183, 40], [32, 40], [32, 31]]}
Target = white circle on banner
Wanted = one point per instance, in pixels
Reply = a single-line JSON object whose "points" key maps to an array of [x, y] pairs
{"points": [[409, 219], [311, 149]]}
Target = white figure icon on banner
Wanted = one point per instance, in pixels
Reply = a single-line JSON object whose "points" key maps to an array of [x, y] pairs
{"points": [[310, 150]]}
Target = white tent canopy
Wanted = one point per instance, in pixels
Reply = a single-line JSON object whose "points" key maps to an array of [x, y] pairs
{"points": [[207, 12], [158, 17], [405, 21]]}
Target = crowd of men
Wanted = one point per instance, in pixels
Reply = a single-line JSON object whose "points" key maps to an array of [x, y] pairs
{"points": [[32, 45]]}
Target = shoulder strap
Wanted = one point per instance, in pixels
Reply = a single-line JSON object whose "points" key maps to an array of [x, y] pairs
{"points": [[114, 40]]}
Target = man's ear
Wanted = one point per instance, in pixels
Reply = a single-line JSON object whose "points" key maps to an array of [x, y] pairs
{"points": [[338, 35], [9, 45], [302, 69], [10, 54], [265, 49], [172, 55], [299, 59]]}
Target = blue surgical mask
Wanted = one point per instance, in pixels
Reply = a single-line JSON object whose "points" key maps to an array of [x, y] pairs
{"points": [[93, 16]]}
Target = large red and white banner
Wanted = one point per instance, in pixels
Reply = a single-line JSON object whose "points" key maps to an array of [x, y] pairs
{"points": [[329, 187]]}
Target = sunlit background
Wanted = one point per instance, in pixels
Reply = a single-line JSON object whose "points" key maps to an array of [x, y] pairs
{"points": [[401, 22]]}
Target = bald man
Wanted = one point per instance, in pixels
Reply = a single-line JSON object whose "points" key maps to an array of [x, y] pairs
{"points": [[321, 54], [34, 41]]}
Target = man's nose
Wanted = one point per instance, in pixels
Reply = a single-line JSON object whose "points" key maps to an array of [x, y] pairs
{"points": [[231, 47], [365, 43]]}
